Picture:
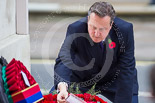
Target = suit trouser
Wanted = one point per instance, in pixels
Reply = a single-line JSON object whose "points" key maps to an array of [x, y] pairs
{"points": [[111, 96], [135, 99]]}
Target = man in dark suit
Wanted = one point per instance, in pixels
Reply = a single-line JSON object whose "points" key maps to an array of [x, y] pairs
{"points": [[99, 49]]}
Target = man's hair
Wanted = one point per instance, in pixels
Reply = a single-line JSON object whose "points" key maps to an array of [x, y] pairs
{"points": [[102, 9]]}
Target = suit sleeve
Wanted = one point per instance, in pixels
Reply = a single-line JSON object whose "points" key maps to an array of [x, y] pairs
{"points": [[62, 68], [126, 64]]}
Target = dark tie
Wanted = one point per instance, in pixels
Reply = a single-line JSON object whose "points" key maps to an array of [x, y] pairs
{"points": [[102, 45]]}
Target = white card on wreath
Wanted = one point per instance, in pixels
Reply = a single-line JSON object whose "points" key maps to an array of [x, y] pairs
{"points": [[74, 99]]}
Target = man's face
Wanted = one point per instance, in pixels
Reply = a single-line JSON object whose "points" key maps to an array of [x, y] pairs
{"points": [[98, 27]]}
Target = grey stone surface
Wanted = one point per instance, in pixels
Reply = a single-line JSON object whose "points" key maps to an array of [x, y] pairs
{"points": [[11, 44], [18, 47], [82, 7], [89, 1], [7, 18]]}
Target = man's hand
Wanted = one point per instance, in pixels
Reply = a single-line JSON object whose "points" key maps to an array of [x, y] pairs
{"points": [[63, 94], [61, 97]]}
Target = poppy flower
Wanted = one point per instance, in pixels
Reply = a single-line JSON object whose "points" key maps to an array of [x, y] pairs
{"points": [[112, 45]]}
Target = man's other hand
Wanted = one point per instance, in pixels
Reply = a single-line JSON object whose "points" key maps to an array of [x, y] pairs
{"points": [[61, 97]]}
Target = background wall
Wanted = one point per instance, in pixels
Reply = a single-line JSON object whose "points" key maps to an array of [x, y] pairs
{"points": [[13, 45]]}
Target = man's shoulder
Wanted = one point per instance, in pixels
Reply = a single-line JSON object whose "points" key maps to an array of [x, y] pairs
{"points": [[119, 21], [125, 29], [123, 25], [80, 22]]}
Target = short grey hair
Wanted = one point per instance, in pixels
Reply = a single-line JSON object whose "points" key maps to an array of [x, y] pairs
{"points": [[103, 9]]}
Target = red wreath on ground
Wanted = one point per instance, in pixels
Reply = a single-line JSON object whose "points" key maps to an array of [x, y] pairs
{"points": [[86, 97]]}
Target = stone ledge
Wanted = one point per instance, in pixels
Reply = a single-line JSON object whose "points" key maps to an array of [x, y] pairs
{"points": [[18, 47], [126, 9]]}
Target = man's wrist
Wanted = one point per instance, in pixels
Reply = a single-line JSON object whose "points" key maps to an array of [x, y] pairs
{"points": [[62, 86]]}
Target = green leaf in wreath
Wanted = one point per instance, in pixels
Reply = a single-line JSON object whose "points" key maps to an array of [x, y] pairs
{"points": [[92, 90], [78, 90]]}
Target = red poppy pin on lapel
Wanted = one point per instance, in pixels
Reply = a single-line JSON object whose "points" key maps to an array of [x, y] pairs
{"points": [[111, 44]]}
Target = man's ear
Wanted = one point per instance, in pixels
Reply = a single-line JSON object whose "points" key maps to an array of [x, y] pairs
{"points": [[111, 23], [88, 17]]}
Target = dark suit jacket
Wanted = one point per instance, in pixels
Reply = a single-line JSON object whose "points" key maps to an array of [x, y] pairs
{"points": [[82, 61]]}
